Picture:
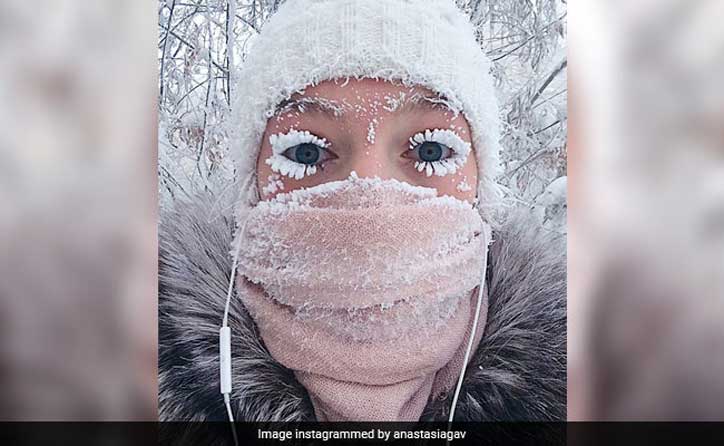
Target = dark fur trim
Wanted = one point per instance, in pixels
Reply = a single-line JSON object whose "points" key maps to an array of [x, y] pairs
{"points": [[517, 373]]}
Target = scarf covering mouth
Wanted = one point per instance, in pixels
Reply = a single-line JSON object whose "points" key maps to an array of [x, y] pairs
{"points": [[366, 289]]}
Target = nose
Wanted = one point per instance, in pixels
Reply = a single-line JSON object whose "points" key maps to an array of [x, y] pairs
{"points": [[373, 160]]}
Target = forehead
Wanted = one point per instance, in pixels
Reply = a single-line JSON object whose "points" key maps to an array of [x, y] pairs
{"points": [[361, 88], [365, 97]]}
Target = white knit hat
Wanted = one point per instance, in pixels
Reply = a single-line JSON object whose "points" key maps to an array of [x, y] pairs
{"points": [[429, 43]]}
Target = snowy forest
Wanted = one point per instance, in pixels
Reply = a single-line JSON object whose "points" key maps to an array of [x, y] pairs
{"points": [[202, 42]]}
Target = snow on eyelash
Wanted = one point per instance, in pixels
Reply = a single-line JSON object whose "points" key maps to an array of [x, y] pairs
{"points": [[281, 142], [460, 150]]}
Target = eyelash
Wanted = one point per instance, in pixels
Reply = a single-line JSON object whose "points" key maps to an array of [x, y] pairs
{"points": [[447, 138], [283, 142]]}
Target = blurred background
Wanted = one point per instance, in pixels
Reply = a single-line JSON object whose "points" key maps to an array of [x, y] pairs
{"points": [[646, 221], [77, 210], [86, 87]]}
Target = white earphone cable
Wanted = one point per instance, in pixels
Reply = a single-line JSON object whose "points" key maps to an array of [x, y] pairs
{"points": [[225, 340], [225, 331], [472, 337], [225, 322]]}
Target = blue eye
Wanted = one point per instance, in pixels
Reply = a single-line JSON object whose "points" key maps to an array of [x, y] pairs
{"points": [[437, 151], [430, 151], [305, 153]]}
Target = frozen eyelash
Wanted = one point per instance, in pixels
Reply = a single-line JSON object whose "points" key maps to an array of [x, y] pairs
{"points": [[460, 150], [280, 142], [282, 165]]}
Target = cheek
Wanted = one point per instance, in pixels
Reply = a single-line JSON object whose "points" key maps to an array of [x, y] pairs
{"points": [[268, 183], [462, 184]]}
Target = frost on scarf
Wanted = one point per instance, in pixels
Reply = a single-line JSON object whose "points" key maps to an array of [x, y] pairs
{"points": [[365, 258]]}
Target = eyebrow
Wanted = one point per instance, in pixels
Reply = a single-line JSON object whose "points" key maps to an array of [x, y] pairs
{"points": [[415, 103], [311, 104], [419, 102]]}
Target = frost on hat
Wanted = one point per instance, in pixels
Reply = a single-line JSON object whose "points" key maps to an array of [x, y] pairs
{"points": [[429, 43]]}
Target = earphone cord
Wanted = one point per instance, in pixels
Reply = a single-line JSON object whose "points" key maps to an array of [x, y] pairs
{"points": [[225, 343], [227, 401], [225, 322], [470, 341], [225, 331]]}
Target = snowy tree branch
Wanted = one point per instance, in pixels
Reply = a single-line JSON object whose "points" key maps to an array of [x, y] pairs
{"points": [[559, 68], [162, 92]]}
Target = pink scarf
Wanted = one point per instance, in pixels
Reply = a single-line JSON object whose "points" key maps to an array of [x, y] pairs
{"points": [[366, 289]]}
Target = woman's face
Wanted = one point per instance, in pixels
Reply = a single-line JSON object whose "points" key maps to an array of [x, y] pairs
{"points": [[375, 128]]}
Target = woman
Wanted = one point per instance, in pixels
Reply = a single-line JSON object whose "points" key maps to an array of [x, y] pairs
{"points": [[374, 273]]}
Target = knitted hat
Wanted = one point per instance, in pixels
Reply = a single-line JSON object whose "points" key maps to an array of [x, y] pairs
{"points": [[429, 43]]}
